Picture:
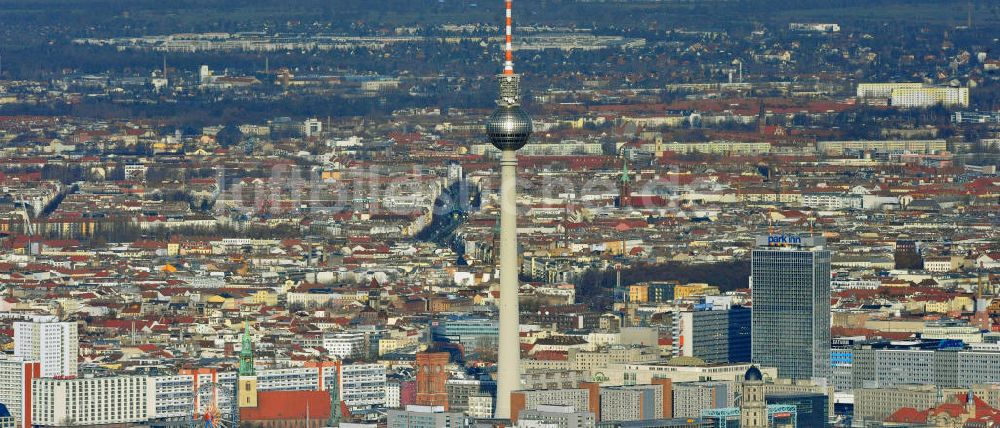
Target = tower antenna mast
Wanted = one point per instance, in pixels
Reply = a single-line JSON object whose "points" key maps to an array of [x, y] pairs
{"points": [[508, 129], [508, 63]]}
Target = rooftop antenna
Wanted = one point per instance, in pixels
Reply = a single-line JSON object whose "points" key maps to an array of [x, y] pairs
{"points": [[508, 64], [969, 19]]}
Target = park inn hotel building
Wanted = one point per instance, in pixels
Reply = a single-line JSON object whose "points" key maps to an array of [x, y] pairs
{"points": [[790, 283]]}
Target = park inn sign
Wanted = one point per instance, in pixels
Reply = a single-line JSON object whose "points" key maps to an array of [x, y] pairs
{"points": [[785, 240]]}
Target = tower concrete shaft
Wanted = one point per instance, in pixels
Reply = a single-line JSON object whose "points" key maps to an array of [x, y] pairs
{"points": [[508, 128], [509, 356]]}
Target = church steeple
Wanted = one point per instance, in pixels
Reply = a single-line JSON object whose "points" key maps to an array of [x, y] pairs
{"points": [[333, 388], [246, 353], [246, 378], [625, 186]]}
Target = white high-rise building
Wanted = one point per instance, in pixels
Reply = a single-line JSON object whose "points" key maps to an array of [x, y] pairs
{"points": [[16, 377], [883, 90], [914, 94], [930, 96], [56, 345]]}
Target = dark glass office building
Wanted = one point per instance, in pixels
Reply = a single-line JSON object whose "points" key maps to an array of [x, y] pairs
{"points": [[811, 408], [790, 282], [716, 335]]}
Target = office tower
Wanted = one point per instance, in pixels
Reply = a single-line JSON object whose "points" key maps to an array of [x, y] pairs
{"points": [[790, 281], [508, 129], [432, 375], [55, 345], [715, 334]]}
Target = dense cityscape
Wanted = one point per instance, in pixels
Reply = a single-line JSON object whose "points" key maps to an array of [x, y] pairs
{"points": [[535, 214]]}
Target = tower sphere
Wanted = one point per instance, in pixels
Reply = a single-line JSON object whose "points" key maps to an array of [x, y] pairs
{"points": [[508, 128]]}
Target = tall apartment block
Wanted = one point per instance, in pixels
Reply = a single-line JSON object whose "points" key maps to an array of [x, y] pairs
{"points": [[56, 345]]}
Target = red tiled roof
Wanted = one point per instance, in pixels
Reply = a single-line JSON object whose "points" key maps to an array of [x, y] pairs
{"points": [[956, 407], [551, 355], [952, 409], [147, 347], [288, 405], [908, 415]]}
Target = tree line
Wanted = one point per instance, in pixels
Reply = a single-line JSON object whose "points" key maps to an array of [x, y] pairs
{"points": [[597, 285]]}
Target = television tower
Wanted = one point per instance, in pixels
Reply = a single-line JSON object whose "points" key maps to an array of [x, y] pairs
{"points": [[508, 129]]}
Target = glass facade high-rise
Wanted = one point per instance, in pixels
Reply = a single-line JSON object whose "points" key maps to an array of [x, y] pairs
{"points": [[790, 282], [717, 336]]}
